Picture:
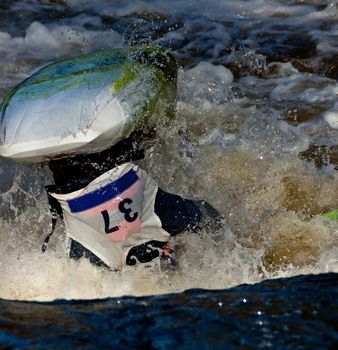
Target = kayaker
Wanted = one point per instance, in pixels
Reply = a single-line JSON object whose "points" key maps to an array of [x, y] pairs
{"points": [[88, 118]]}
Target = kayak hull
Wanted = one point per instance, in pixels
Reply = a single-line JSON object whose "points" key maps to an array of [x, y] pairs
{"points": [[86, 104]]}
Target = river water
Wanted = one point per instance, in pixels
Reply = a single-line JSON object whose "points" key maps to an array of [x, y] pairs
{"points": [[255, 134]]}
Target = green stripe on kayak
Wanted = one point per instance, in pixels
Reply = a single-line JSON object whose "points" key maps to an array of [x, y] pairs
{"points": [[128, 74]]}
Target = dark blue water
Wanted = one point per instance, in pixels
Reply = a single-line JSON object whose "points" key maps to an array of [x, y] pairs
{"points": [[294, 313]]}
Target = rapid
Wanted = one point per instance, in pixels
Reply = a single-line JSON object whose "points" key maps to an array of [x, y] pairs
{"points": [[255, 134]]}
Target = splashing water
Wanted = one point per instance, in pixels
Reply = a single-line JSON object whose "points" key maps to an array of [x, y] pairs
{"points": [[255, 135]]}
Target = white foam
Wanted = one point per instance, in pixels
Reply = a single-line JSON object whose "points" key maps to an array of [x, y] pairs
{"points": [[331, 117], [205, 82], [64, 38], [305, 87], [204, 263], [227, 145]]}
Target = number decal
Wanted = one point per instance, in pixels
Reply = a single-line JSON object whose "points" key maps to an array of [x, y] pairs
{"points": [[107, 223], [128, 215], [127, 211]]}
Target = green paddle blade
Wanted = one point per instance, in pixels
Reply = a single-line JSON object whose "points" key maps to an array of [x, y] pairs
{"points": [[332, 215]]}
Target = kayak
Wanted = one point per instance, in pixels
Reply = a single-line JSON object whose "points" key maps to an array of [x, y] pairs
{"points": [[87, 104]]}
